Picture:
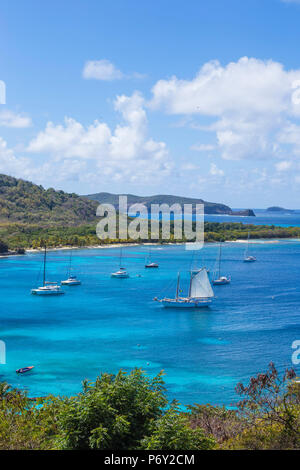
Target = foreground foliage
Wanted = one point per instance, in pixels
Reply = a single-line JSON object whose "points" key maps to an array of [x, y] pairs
{"points": [[131, 411]]}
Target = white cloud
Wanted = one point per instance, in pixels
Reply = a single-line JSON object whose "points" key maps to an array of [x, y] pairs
{"points": [[189, 167], [215, 171], [10, 119], [10, 164], [106, 71], [101, 70], [290, 135], [203, 147], [71, 139], [125, 152], [284, 165], [248, 86], [251, 102]]}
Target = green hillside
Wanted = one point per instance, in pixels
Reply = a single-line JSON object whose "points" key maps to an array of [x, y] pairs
{"points": [[22, 201], [31, 216], [209, 207]]}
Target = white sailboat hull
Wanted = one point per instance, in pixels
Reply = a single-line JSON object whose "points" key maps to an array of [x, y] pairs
{"points": [[200, 293], [43, 291], [185, 303], [120, 275], [249, 259], [70, 282], [221, 281]]}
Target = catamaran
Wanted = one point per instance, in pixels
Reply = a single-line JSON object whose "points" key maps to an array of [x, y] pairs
{"points": [[200, 292], [248, 258], [71, 280], [149, 263], [122, 273], [219, 280], [48, 288]]}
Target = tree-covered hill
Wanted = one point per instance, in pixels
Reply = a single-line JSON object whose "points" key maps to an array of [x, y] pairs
{"points": [[31, 216], [22, 201], [209, 207]]}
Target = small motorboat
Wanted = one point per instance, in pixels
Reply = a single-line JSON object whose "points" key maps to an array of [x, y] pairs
{"points": [[24, 369]]}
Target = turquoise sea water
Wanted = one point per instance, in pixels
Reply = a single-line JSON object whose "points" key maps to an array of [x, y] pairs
{"points": [[107, 324], [262, 217]]}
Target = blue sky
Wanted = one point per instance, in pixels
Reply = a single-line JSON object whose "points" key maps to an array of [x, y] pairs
{"points": [[193, 98]]}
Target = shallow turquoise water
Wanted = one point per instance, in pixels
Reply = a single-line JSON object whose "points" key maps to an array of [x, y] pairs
{"points": [[107, 324]]}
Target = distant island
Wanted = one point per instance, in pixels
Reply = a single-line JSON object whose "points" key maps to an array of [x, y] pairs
{"points": [[279, 209], [209, 207]]}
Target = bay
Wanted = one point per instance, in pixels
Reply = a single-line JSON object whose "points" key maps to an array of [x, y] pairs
{"points": [[107, 324]]}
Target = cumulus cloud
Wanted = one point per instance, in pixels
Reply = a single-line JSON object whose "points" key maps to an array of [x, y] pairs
{"points": [[10, 119], [248, 86], [124, 152], [251, 102], [284, 165], [215, 171], [106, 71], [290, 135], [101, 70], [71, 139], [10, 163]]}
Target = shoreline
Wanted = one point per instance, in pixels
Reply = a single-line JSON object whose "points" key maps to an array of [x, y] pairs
{"points": [[94, 247], [128, 245]]}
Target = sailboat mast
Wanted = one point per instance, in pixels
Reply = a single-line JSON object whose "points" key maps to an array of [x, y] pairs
{"points": [[44, 276], [70, 262], [177, 288], [190, 288], [248, 244], [220, 248]]}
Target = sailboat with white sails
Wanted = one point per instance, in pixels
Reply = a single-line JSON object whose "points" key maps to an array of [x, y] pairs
{"points": [[248, 258], [48, 288], [218, 279], [200, 292]]}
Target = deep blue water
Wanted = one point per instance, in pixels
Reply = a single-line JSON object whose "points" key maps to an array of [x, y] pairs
{"points": [[97, 326], [261, 218]]}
